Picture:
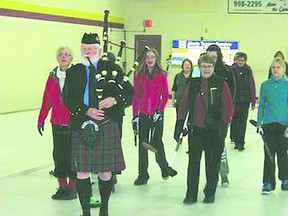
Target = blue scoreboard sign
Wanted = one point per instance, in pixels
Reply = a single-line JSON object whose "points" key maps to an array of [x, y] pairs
{"points": [[192, 49]]}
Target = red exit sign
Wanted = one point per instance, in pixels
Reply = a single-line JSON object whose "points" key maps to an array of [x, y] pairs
{"points": [[147, 23]]}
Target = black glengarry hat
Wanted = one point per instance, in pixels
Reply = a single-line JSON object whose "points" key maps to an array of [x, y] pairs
{"points": [[91, 38]]}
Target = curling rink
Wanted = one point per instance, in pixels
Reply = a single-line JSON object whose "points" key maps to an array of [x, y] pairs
{"points": [[26, 186]]}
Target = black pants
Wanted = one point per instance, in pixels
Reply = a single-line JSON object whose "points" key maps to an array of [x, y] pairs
{"points": [[152, 133], [210, 142], [62, 152], [277, 144], [175, 127], [239, 123]]}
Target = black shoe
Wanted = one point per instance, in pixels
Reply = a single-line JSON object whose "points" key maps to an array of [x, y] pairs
{"points": [[241, 148], [60, 192], [267, 188], [209, 199], [168, 172], [189, 201], [236, 146], [141, 181], [69, 194]]}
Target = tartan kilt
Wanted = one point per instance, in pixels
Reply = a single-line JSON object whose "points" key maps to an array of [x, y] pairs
{"points": [[106, 154]]}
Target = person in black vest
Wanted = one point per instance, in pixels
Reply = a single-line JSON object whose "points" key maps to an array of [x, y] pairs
{"points": [[278, 54], [244, 95], [224, 71], [180, 82], [210, 107], [96, 145]]}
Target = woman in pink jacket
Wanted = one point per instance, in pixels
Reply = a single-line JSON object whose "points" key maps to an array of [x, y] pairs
{"points": [[53, 99], [150, 97]]}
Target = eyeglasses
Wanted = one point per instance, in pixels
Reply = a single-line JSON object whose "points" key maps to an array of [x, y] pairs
{"points": [[64, 54]]}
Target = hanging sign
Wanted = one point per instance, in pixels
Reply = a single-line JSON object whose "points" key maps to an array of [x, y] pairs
{"points": [[258, 6]]}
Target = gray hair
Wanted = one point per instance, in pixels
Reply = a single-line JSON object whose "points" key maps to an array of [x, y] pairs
{"points": [[206, 59], [61, 48]]}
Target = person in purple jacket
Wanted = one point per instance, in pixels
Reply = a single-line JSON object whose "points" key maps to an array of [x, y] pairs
{"points": [[244, 95], [150, 97]]}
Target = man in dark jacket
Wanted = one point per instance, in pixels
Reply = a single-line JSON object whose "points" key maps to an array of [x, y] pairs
{"points": [[96, 145]]}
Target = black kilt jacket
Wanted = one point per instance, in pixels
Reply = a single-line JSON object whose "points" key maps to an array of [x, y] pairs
{"points": [[74, 88]]}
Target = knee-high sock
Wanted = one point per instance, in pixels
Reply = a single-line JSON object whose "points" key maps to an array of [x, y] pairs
{"points": [[71, 184], [105, 188], [84, 190], [62, 182]]}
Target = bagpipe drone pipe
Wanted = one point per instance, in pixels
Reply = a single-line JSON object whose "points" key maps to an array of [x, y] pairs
{"points": [[111, 81]]}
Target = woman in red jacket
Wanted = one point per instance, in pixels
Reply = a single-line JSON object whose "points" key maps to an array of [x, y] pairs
{"points": [[53, 99], [150, 97]]}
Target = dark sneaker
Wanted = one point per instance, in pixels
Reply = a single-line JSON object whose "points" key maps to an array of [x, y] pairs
{"points": [[236, 146], [168, 172], [94, 203], [189, 201], [267, 189], [69, 194], [209, 199], [59, 193], [141, 181], [241, 148], [284, 185], [224, 181]]}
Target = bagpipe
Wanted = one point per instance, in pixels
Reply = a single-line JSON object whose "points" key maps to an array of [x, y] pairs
{"points": [[110, 79]]}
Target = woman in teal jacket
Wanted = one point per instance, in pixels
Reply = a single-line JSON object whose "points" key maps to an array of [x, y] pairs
{"points": [[272, 124]]}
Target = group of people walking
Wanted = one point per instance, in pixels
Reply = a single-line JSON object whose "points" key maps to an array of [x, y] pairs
{"points": [[87, 127]]}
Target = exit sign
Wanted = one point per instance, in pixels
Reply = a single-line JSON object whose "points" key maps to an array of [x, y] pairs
{"points": [[147, 23]]}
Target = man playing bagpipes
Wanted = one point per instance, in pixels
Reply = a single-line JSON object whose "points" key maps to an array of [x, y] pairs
{"points": [[96, 145]]}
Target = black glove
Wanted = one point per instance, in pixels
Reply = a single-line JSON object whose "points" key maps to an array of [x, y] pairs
{"points": [[40, 128], [178, 129], [158, 116], [135, 125]]}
